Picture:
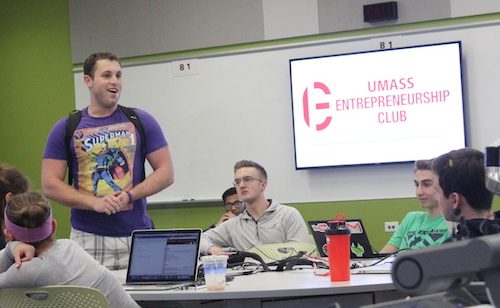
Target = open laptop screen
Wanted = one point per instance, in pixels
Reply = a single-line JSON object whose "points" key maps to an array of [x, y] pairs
{"points": [[164, 256], [360, 245]]}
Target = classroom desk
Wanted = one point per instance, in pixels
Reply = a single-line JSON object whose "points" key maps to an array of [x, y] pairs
{"points": [[296, 288]]}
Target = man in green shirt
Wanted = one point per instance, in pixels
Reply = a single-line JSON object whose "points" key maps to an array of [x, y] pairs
{"points": [[421, 229]]}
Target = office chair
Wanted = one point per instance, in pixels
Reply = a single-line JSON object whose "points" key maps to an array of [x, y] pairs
{"points": [[53, 296]]}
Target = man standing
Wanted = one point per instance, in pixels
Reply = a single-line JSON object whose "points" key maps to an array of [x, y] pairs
{"points": [[104, 213], [421, 229], [462, 193], [264, 221]]}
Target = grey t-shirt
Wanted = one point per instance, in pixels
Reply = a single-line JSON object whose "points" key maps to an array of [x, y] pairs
{"points": [[64, 263]]}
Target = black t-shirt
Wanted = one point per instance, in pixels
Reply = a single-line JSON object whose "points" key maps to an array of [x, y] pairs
{"points": [[477, 227]]}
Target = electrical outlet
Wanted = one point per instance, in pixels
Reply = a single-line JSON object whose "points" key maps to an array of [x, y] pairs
{"points": [[391, 226]]}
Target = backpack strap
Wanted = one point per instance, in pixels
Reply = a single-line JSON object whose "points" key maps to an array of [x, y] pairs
{"points": [[132, 116], [74, 118]]}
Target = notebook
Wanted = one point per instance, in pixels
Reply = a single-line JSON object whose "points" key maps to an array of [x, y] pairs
{"points": [[360, 245], [163, 258]]}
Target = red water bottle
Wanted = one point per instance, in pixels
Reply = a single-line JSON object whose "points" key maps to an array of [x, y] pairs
{"points": [[338, 239]]}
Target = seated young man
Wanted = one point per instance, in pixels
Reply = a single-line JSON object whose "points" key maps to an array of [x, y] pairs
{"points": [[232, 205], [462, 193], [263, 222], [421, 229]]}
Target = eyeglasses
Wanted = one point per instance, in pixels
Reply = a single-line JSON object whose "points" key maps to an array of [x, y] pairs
{"points": [[237, 204], [245, 180]]}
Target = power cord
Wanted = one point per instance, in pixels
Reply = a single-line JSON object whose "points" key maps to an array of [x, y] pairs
{"points": [[359, 264], [256, 257]]}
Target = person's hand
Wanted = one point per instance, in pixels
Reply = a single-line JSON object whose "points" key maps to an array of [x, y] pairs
{"points": [[226, 216], [214, 250], [125, 202], [22, 253], [109, 204]]}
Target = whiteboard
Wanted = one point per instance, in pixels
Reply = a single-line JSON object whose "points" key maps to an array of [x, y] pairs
{"points": [[237, 105]]}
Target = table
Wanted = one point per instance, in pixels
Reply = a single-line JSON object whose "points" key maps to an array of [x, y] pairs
{"points": [[295, 288]]}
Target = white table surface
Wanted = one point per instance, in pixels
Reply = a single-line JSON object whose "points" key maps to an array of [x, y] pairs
{"points": [[295, 283]]}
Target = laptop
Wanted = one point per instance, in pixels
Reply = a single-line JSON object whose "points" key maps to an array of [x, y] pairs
{"points": [[279, 251], [164, 259], [360, 245], [379, 268]]}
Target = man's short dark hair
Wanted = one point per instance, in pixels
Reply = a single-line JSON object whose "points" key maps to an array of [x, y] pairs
{"points": [[89, 64], [229, 192], [423, 164], [251, 164], [13, 181], [462, 171]]}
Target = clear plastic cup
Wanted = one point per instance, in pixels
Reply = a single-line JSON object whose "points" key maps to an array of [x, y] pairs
{"points": [[214, 267]]}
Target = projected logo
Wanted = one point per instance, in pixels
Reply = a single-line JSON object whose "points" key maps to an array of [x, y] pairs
{"points": [[318, 106]]}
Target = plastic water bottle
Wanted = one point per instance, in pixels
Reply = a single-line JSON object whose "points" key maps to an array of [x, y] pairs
{"points": [[338, 239]]}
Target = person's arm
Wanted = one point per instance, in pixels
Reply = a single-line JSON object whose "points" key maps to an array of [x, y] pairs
{"points": [[54, 187], [226, 216], [394, 242], [206, 247], [388, 248], [214, 239], [161, 177], [297, 228], [13, 276], [15, 252], [214, 250], [22, 252], [396, 239], [5, 260]]}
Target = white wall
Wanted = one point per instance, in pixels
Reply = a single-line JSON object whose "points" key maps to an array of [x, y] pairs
{"points": [[238, 106], [143, 27], [473, 7], [299, 21]]}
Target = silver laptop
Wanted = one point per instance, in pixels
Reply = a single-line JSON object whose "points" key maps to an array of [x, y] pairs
{"points": [[383, 267], [163, 259]]}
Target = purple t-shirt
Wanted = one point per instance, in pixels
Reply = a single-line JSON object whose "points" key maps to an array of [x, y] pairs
{"points": [[108, 158]]}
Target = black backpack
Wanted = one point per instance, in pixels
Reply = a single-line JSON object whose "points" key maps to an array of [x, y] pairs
{"points": [[74, 118]]}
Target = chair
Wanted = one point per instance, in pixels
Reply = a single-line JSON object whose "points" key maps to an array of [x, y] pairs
{"points": [[53, 296]]}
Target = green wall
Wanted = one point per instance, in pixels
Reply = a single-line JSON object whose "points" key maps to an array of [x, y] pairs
{"points": [[36, 82], [36, 89]]}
